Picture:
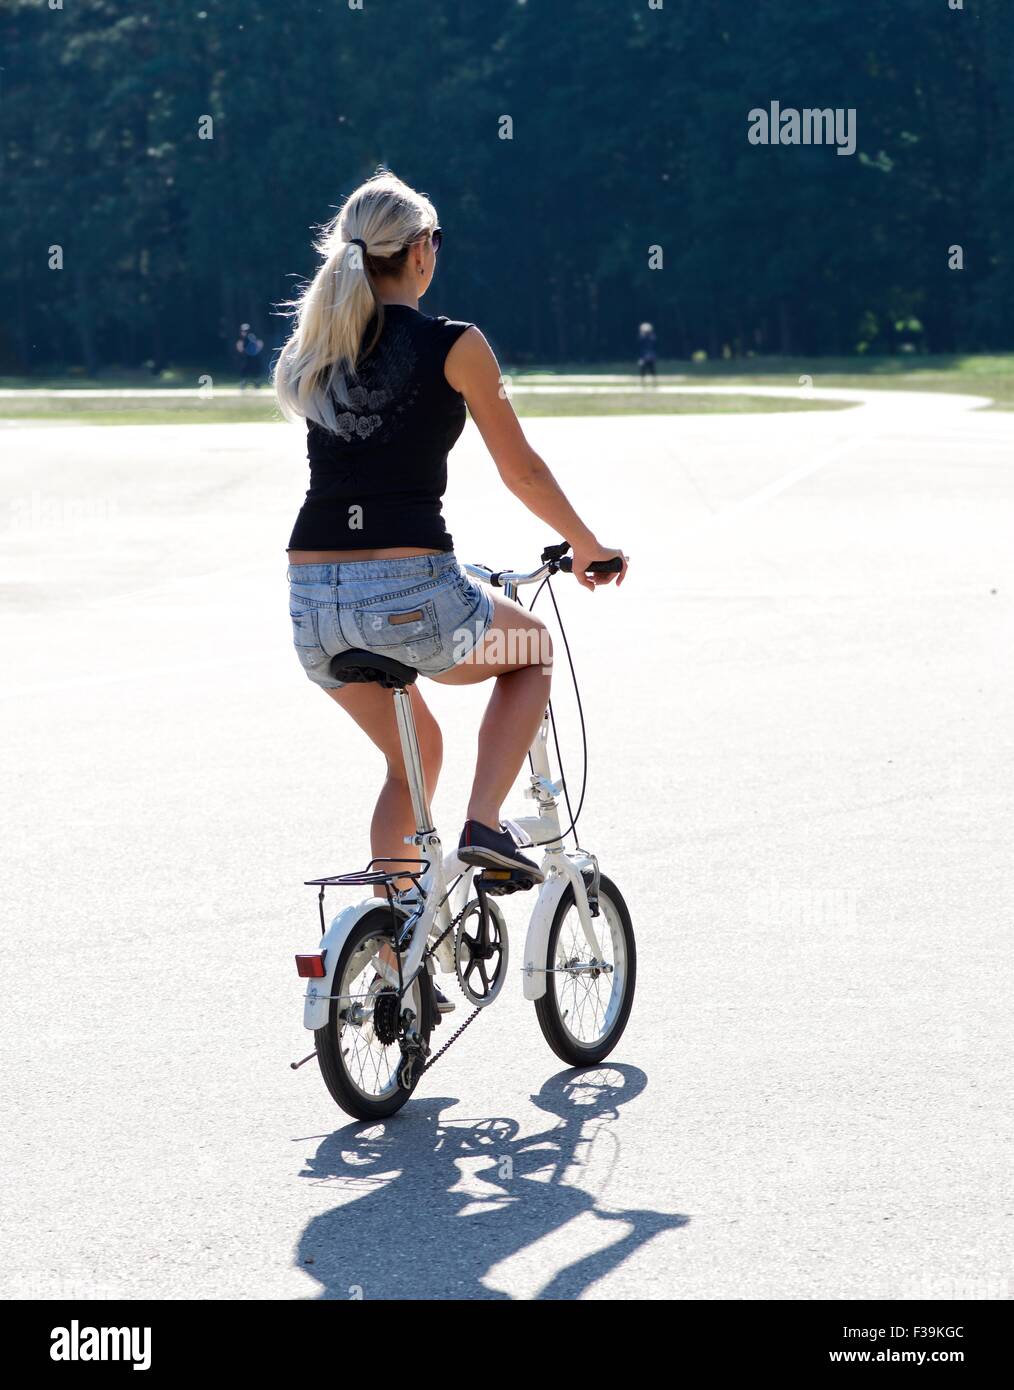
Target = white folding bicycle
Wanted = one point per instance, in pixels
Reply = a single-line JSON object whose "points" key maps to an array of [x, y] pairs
{"points": [[369, 999]]}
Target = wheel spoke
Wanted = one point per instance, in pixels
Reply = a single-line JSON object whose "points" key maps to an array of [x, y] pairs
{"points": [[588, 1004], [370, 1065]]}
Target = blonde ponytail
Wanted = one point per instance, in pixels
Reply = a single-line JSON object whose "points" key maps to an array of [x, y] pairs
{"points": [[317, 366]]}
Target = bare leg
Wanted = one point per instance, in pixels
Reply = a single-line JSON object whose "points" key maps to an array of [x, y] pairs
{"points": [[517, 651], [511, 722]]}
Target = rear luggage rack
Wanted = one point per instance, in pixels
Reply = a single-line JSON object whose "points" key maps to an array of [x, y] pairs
{"points": [[370, 877]]}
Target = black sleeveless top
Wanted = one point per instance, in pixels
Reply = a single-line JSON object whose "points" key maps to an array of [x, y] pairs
{"points": [[378, 482]]}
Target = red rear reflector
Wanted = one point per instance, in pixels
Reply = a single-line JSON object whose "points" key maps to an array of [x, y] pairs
{"points": [[310, 967]]}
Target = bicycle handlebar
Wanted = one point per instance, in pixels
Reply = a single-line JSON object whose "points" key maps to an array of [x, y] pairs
{"points": [[613, 566], [553, 560]]}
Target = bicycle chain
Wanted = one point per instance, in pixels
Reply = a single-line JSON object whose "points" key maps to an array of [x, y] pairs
{"points": [[453, 1038], [449, 928], [472, 1016]]}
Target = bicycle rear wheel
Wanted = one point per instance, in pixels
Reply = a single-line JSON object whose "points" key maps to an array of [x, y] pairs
{"points": [[359, 1055], [587, 1002]]}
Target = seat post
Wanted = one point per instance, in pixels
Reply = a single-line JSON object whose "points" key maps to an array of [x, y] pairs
{"points": [[413, 761]]}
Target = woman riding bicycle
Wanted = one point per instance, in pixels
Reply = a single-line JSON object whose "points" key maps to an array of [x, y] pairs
{"points": [[383, 388]]}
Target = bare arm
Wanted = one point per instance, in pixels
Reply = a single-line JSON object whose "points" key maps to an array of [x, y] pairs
{"points": [[471, 368]]}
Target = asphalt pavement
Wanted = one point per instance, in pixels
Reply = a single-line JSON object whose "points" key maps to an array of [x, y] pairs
{"points": [[799, 719]]}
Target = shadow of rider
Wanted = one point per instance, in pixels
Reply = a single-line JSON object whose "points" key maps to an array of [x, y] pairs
{"points": [[434, 1204]]}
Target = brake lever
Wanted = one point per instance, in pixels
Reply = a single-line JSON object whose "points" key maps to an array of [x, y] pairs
{"points": [[555, 552]]}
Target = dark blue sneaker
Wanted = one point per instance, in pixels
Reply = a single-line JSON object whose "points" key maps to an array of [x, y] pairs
{"points": [[444, 1005], [495, 849]]}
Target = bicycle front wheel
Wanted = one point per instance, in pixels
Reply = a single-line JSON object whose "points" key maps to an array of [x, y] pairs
{"points": [[358, 1049], [588, 999]]}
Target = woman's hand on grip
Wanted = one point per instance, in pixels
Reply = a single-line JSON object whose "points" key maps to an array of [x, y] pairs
{"points": [[585, 553]]}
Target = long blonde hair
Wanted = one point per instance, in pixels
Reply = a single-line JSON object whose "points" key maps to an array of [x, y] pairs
{"points": [[317, 365]]}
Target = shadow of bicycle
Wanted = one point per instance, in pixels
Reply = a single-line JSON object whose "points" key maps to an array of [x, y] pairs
{"points": [[435, 1205]]}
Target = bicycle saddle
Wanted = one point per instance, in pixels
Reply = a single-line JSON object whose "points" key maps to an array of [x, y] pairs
{"points": [[358, 667]]}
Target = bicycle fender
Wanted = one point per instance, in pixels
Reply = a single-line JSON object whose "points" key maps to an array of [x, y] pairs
{"points": [[317, 1002], [537, 940]]}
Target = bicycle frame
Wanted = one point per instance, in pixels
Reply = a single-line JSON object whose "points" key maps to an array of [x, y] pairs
{"points": [[439, 903]]}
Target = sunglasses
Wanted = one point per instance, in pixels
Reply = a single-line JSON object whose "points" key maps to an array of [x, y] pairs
{"points": [[436, 236]]}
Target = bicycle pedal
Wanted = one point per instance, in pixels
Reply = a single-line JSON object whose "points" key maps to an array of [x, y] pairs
{"points": [[499, 882]]}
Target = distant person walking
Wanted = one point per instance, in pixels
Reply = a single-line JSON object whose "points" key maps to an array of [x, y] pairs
{"points": [[646, 352], [249, 347]]}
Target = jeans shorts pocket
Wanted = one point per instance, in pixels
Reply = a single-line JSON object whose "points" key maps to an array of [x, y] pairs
{"points": [[304, 627], [401, 629], [468, 591]]}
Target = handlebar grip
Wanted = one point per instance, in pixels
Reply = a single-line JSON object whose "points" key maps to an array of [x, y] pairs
{"points": [[613, 566]]}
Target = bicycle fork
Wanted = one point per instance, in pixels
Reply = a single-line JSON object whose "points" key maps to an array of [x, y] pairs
{"points": [[544, 830]]}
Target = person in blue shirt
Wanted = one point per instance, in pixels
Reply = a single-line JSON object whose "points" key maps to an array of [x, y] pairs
{"points": [[646, 352], [249, 348]]}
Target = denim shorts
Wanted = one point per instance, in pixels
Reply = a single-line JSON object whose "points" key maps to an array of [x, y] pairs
{"points": [[422, 610]]}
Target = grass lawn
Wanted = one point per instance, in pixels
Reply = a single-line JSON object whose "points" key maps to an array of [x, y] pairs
{"points": [[252, 408], [991, 376], [140, 410], [646, 402], [972, 375]]}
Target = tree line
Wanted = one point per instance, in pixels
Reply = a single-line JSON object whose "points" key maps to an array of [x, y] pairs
{"points": [[592, 164]]}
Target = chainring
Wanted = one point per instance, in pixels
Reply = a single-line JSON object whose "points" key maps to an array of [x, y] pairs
{"points": [[481, 952]]}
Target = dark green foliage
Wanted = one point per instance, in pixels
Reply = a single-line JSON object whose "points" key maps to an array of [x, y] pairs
{"points": [[630, 130]]}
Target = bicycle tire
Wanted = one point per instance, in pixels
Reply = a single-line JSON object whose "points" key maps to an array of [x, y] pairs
{"points": [[329, 1051], [548, 1010]]}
